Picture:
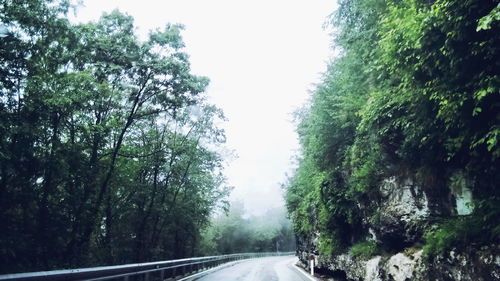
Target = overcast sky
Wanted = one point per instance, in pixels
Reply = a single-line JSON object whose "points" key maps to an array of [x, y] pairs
{"points": [[262, 58]]}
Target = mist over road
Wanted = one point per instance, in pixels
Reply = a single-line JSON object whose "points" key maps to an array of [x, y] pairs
{"points": [[260, 269]]}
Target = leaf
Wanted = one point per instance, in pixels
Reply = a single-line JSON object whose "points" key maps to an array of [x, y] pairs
{"points": [[485, 22], [476, 111]]}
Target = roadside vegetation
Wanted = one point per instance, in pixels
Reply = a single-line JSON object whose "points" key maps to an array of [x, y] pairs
{"points": [[414, 90], [108, 149], [237, 232]]}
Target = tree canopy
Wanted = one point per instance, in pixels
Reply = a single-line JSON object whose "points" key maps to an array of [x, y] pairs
{"points": [[108, 148], [414, 90], [237, 232]]}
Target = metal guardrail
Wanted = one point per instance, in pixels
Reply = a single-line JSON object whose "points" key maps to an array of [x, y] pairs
{"points": [[162, 270]]}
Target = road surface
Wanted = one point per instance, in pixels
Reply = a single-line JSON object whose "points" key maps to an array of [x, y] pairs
{"points": [[259, 269]]}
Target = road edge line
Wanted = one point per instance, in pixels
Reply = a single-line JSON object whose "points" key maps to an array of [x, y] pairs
{"points": [[301, 270]]}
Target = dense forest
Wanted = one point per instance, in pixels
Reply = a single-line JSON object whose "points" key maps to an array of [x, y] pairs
{"points": [[412, 99], [237, 232], [109, 152]]}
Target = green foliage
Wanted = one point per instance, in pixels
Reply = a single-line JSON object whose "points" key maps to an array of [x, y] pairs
{"points": [[106, 142], [414, 91], [487, 21], [365, 250], [235, 232], [327, 246], [364, 162], [456, 232], [322, 194], [440, 240], [479, 228]]}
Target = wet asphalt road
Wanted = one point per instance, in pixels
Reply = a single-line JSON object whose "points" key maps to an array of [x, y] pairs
{"points": [[260, 269]]}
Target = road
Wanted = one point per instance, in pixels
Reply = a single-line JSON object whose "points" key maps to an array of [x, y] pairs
{"points": [[259, 269]]}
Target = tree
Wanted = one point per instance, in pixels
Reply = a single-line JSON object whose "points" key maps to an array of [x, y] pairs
{"points": [[102, 152], [414, 91], [235, 232]]}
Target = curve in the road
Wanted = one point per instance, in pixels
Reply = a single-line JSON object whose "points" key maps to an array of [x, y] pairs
{"points": [[259, 269]]}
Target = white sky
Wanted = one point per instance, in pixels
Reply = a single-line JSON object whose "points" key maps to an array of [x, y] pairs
{"points": [[262, 58]]}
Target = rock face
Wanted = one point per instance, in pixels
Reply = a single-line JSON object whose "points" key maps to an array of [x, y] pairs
{"points": [[403, 211], [484, 265], [400, 215]]}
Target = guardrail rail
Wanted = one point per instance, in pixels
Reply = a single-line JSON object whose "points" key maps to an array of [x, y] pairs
{"points": [[152, 271]]}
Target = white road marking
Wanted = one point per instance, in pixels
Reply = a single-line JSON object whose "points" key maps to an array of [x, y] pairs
{"points": [[307, 275]]}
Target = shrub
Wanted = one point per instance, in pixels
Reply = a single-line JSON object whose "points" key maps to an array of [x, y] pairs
{"points": [[365, 249], [455, 232]]}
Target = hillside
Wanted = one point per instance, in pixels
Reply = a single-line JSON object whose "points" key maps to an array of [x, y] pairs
{"points": [[399, 167]]}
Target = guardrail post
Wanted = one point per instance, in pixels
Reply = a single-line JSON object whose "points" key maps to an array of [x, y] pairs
{"points": [[146, 276], [162, 275]]}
